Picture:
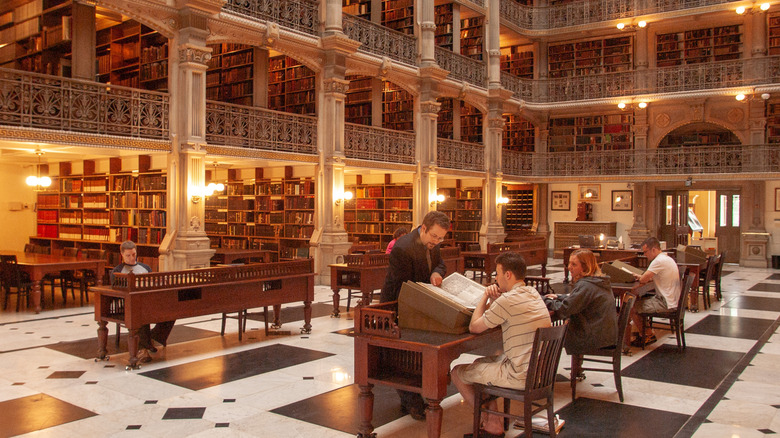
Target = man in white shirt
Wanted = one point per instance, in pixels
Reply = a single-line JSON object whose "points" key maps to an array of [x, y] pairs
{"points": [[665, 275]]}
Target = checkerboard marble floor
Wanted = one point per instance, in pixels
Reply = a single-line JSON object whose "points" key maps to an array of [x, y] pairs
{"points": [[286, 384]]}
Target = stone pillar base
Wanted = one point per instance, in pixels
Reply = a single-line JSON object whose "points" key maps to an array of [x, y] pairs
{"points": [[491, 233], [637, 236], [753, 253], [332, 249], [188, 252]]}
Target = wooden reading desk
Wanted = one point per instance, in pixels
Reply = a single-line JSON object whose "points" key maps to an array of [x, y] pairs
{"points": [[533, 250], [452, 259], [602, 255], [415, 360], [364, 272], [38, 265], [136, 300], [230, 255]]}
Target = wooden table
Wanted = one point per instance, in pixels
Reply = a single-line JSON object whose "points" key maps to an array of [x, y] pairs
{"points": [[38, 265], [420, 362], [695, 266], [534, 251], [364, 272], [602, 255], [229, 255], [453, 259], [137, 300]]}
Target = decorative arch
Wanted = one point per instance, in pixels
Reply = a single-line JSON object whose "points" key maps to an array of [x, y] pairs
{"points": [[706, 128], [161, 18]]}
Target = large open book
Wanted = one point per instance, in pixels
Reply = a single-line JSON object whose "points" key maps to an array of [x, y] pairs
{"points": [[620, 272], [442, 309]]}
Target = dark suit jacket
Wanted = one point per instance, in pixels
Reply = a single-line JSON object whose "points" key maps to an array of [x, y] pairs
{"points": [[408, 262]]}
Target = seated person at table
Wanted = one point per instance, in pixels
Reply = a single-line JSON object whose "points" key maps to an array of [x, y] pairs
{"points": [[519, 310], [161, 330], [590, 306], [400, 231], [665, 275], [416, 257]]}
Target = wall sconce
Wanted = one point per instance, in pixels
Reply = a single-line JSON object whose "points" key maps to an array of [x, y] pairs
{"points": [[346, 196], [205, 191], [437, 199], [640, 105], [740, 97], [502, 200], [37, 181], [624, 26], [763, 7]]}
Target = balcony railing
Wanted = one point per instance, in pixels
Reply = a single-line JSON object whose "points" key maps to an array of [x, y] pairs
{"points": [[683, 160], [683, 78], [461, 67], [301, 15], [380, 40], [378, 144], [460, 155], [260, 128], [32, 100]]}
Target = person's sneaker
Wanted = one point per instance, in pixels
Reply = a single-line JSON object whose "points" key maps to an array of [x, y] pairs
{"points": [[144, 356], [540, 424]]}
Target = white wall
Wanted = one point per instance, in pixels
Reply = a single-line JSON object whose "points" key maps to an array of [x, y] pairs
{"points": [[17, 226], [772, 218]]}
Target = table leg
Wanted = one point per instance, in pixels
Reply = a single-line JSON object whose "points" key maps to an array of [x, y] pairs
{"points": [[132, 348], [278, 316], [37, 285], [336, 299], [102, 333], [544, 269], [306, 317], [433, 416], [366, 411]]}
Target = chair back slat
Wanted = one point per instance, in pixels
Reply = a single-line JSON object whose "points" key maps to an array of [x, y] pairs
{"points": [[623, 317], [541, 284], [545, 355]]}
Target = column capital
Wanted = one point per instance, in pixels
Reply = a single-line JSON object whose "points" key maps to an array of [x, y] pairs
{"points": [[189, 53], [340, 43], [430, 107], [335, 85]]}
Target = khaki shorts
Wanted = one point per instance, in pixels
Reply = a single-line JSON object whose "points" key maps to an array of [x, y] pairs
{"points": [[651, 304], [489, 371]]}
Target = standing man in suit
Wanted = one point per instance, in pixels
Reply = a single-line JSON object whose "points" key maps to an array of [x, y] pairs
{"points": [[416, 257]]}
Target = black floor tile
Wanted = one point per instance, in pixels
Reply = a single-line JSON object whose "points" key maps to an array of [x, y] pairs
{"points": [[774, 277], [87, 348], [218, 370], [596, 418], [700, 367], [184, 413], [37, 412], [731, 326], [338, 409], [754, 303], [65, 375], [766, 287]]}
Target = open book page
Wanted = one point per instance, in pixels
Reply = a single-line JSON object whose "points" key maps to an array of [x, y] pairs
{"points": [[461, 289]]}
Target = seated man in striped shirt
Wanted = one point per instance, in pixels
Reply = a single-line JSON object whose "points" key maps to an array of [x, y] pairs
{"points": [[520, 310]]}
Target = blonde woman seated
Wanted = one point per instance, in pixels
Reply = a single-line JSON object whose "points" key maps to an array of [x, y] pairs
{"points": [[590, 306]]}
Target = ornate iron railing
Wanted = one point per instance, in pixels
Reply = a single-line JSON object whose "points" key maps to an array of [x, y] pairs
{"points": [[301, 15], [380, 40], [460, 155], [703, 76], [679, 160], [462, 67], [33, 100], [260, 128], [378, 144]]}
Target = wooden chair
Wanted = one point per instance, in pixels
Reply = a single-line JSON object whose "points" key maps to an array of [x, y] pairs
{"points": [[476, 266], [538, 393], [706, 278], [241, 317], [676, 316], [613, 353], [14, 281], [89, 278], [541, 284], [718, 274]]}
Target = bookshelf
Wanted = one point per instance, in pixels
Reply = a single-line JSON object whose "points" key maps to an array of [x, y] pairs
{"points": [[132, 55], [291, 86], [101, 210], [700, 45], [518, 61], [398, 15], [519, 134], [773, 121], [468, 216], [596, 56], [398, 108], [470, 123], [358, 8], [774, 35], [589, 133], [472, 33], [719, 137], [358, 103], [519, 212], [443, 36], [230, 73], [377, 210], [276, 214], [444, 127], [39, 35]]}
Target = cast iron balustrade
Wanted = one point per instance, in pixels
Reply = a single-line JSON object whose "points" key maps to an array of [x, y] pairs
{"points": [[32, 100], [378, 144], [301, 15], [461, 68], [678, 160], [381, 40], [260, 128], [461, 155]]}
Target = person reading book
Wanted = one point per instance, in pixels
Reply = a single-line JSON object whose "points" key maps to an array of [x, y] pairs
{"points": [[590, 306], [665, 275], [130, 264], [416, 257], [519, 310]]}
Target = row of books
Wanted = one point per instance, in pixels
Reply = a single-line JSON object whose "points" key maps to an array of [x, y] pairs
{"points": [[47, 215]]}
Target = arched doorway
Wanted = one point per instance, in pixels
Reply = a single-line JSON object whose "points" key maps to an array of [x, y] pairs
{"points": [[699, 134]]}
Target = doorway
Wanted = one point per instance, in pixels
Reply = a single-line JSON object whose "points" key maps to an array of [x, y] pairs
{"points": [[727, 223]]}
